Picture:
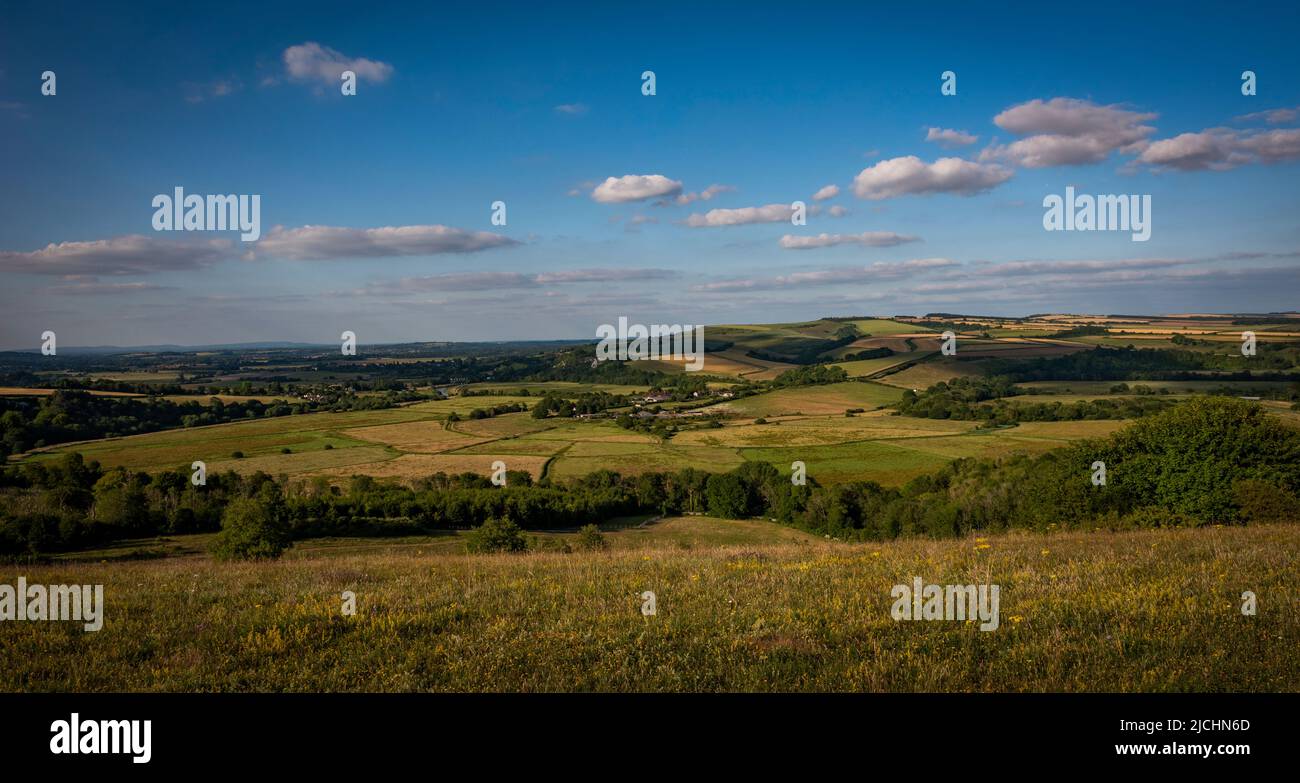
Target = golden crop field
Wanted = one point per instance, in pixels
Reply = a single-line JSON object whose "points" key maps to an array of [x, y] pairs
{"points": [[739, 606]]}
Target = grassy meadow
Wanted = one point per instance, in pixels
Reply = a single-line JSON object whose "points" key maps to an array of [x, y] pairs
{"points": [[741, 606]]}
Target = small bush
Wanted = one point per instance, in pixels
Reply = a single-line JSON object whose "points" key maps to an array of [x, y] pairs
{"points": [[590, 537], [1157, 516], [237, 455], [496, 535]]}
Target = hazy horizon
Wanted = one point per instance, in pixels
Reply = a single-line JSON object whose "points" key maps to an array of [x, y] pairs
{"points": [[272, 344]]}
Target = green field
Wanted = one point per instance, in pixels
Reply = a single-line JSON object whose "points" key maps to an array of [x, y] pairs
{"points": [[814, 400], [741, 606], [880, 327]]}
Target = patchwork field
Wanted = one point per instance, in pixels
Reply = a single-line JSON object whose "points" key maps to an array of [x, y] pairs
{"points": [[813, 400], [740, 606], [931, 371], [807, 424], [732, 362]]}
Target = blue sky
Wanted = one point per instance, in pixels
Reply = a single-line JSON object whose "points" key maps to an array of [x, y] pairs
{"points": [[756, 106]]}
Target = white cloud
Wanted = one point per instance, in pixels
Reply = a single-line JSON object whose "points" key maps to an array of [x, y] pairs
{"points": [[1272, 116], [575, 109], [311, 62], [911, 175], [771, 213], [704, 195], [865, 239], [1027, 268], [1219, 149], [830, 191], [323, 242], [1273, 146], [1068, 132], [635, 187], [125, 255], [950, 139]]}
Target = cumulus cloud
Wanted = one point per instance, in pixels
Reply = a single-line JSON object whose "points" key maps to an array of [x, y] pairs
{"points": [[1068, 132], [635, 187], [126, 255], [911, 175], [1219, 149], [830, 191], [704, 195], [865, 239], [837, 211], [311, 62], [1272, 116], [771, 213], [950, 139], [324, 242]]}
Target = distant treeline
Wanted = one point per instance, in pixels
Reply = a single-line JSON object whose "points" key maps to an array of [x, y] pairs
{"points": [[869, 353], [66, 416], [1126, 364], [985, 399], [1209, 460]]}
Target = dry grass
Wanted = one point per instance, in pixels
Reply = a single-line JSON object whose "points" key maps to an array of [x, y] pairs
{"points": [[1138, 611]]}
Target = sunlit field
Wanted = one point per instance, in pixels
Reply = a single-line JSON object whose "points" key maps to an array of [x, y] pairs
{"points": [[740, 606]]}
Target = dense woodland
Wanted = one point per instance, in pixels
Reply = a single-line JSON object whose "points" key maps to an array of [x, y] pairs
{"points": [[1206, 461]]}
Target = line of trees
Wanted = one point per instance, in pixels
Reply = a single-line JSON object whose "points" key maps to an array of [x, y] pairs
{"points": [[990, 400], [67, 415]]}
